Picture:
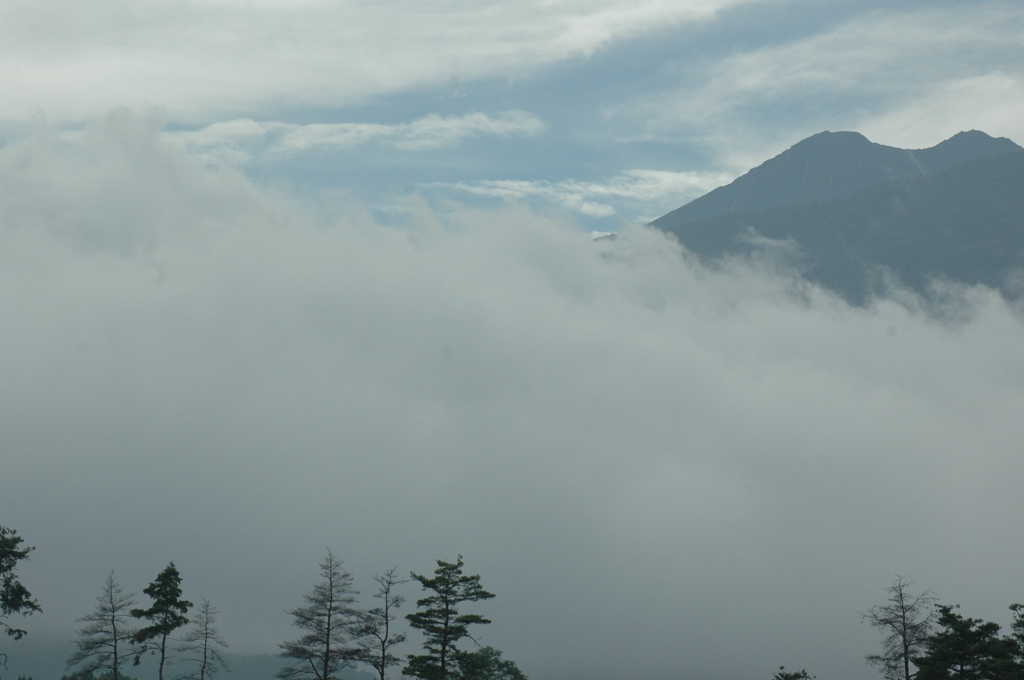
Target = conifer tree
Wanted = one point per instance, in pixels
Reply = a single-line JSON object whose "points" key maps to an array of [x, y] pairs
{"points": [[330, 622], [166, 615], [439, 620], [201, 644], [377, 636], [486, 664], [106, 639], [1017, 634], [14, 597], [967, 649]]}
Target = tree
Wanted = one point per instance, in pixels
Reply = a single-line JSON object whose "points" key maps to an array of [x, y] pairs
{"points": [[200, 644], [1018, 631], [106, 639], [967, 649], [801, 674], [906, 621], [14, 597], [331, 622], [486, 664], [377, 638], [439, 620], [166, 615]]}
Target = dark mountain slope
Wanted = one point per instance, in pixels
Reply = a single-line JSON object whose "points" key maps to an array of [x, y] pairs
{"points": [[965, 223], [832, 165], [963, 147]]}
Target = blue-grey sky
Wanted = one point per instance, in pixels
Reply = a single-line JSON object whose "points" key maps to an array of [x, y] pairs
{"points": [[614, 112], [276, 276]]}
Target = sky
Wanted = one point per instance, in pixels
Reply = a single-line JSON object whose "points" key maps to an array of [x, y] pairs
{"points": [[278, 276]]}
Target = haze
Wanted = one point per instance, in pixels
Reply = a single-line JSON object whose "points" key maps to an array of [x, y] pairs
{"points": [[282, 276]]}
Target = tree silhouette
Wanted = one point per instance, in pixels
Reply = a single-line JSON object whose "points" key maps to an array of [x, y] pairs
{"points": [[967, 649], [167, 615], [439, 620], [330, 621], [486, 664], [106, 639], [200, 644], [378, 639], [14, 597], [906, 621]]}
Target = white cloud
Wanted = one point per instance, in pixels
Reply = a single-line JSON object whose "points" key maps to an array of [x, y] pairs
{"points": [[887, 64], [647, 461], [429, 132], [658, 189], [237, 142], [205, 60], [993, 103]]}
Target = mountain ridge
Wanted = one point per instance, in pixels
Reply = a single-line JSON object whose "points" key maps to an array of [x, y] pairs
{"points": [[831, 165], [953, 211]]}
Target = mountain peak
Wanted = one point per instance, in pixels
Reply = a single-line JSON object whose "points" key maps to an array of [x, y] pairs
{"points": [[844, 137], [854, 208], [963, 147], [830, 165]]}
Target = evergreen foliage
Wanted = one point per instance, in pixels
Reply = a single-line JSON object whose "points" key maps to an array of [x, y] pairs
{"points": [[166, 615], [200, 645], [14, 597], [106, 639], [439, 620], [1017, 628], [377, 636], [330, 621], [967, 649], [486, 664]]}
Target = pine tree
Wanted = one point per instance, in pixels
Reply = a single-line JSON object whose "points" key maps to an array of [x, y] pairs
{"points": [[106, 639], [14, 597], [1017, 634], [439, 620], [486, 664], [167, 615], [378, 639], [331, 622], [200, 645], [967, 649]]}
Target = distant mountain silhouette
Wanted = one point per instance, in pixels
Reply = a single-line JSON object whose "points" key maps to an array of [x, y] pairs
{"points": [[851, 209]]}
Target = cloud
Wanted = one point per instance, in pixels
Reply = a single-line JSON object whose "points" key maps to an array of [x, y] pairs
{"points": [[661, 470], [885, 65], [429, 132], [993, 103], [207, 60], [654, 188], [240, 141]]}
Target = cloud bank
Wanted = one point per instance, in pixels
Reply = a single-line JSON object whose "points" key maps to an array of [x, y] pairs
{"points": [[237, 142], [591, 198], [909, 76], [203, 59], [662, 470]]}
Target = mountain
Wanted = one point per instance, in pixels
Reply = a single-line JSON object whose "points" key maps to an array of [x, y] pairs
{"points": [[832, 165], [852, 208]]}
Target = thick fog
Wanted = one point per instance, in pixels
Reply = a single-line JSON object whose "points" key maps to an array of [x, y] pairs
{"points": [[662, 470]]}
